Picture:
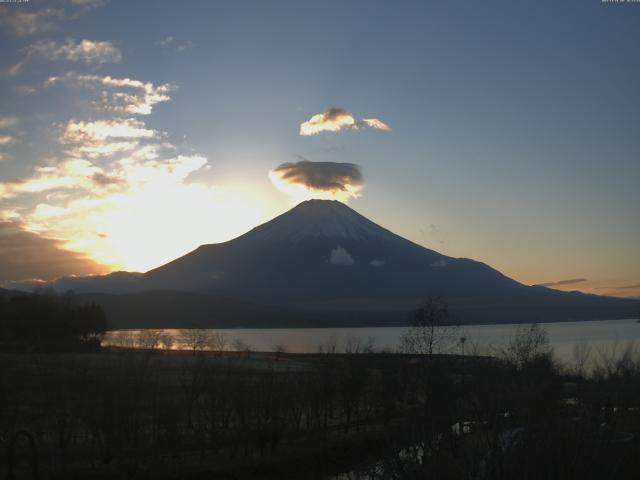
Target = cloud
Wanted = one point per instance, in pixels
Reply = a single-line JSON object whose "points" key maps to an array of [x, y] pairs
{"points": [[26, 256], [99, 149], [104, 180], [329, 180], [114, 282], [82, 176], [8, 122], [123, 96], [625, 287], [170, 43], [115, 213], [86, 51], [104, 137], [25, 89], [624, 291], [340, 256], [337, 119], [70, 174], [375, 123], [83, 132], [321, 175], [115, 186], [8, 187], [629, 287], [376, 263], [24, 22], [559, 283]]}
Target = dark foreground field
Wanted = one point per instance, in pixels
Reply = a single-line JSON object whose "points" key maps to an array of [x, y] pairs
{"points": [[179, 415]]}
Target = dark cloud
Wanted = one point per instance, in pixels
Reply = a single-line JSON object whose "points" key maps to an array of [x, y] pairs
{"points": [[321, 176], [570, 281], [105, 180], [335, 113], [26, 256]]}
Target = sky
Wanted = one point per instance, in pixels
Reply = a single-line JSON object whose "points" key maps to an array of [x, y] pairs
{"points": [[506, 132]]}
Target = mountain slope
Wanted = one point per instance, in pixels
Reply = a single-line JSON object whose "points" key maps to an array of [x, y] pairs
{"points": [[176, 309], [322, 256]]}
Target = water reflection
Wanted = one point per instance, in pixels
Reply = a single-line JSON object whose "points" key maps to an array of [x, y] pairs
{"points": [[577, 343]]}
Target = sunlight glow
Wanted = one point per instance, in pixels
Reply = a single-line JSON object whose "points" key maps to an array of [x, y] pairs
{"points": [[156, 218]]}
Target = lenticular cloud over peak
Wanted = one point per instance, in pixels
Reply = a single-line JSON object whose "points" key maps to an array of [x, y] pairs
{"points": [[324, 180]]}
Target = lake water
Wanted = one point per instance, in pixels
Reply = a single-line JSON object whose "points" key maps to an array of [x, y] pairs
{"points": [[601, 336]]}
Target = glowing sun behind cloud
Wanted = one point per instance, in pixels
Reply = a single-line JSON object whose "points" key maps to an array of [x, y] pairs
{"points": [[156, 218], [118, 192]]}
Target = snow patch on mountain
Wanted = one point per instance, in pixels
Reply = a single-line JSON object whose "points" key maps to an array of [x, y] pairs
{"points": [[340, 256]]}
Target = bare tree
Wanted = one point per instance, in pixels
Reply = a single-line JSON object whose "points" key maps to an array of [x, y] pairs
{"points": [[370, 344], [218, 341], [528, 343], [431, 331], [331, 345], [167, 340], [353, 345], [580, 355], [195, 339], [239, 345], [280, 348], [617, 360], [149, 339]]}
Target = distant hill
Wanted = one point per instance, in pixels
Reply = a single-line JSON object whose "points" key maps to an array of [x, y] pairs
{"points": [[322, 256], [174, 309], [4, 293]]}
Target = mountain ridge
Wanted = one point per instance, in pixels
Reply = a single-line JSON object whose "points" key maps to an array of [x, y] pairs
{"points": [[323, 255], [318, 218]]}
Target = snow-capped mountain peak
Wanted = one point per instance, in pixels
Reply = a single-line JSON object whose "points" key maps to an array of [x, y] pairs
{"points": [[320, 219]]}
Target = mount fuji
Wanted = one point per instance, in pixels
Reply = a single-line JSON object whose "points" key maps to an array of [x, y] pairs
{"points": [[322, 256]]}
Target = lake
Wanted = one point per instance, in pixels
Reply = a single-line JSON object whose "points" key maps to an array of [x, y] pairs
{"points": [[602, 336]]}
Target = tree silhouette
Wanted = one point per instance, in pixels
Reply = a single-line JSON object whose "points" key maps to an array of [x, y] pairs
{"points": [[431, 329]]}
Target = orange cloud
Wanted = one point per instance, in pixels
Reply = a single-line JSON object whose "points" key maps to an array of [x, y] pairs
{"points": [[27, 256], [337, 119]]}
